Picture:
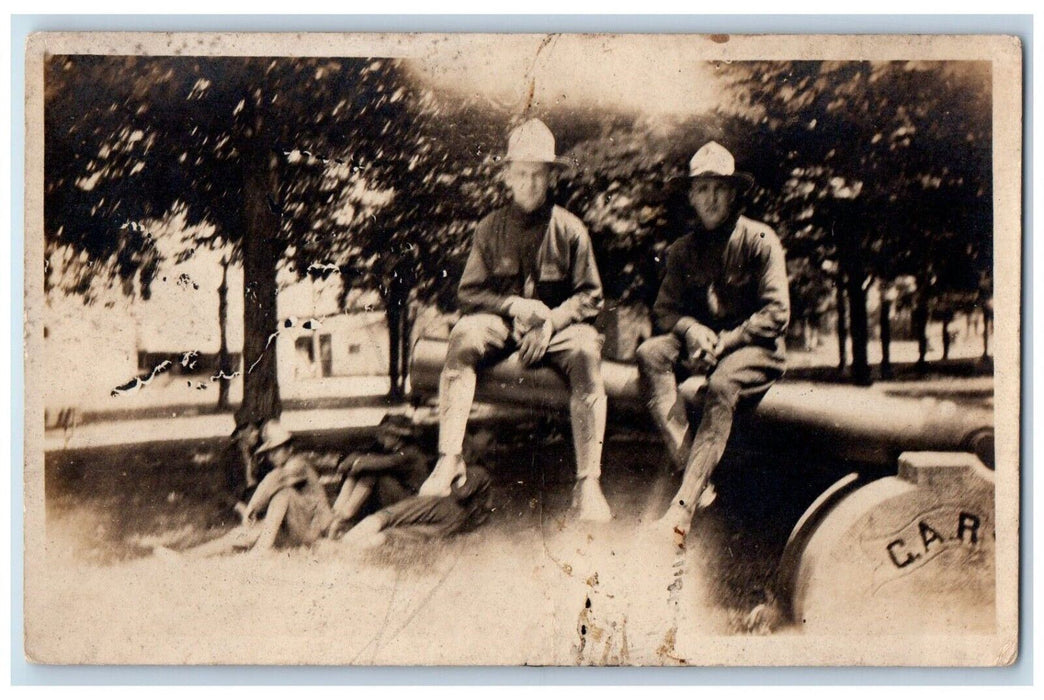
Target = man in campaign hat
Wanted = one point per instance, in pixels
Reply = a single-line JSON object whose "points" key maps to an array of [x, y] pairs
{"points": [[530, 284], [722, 311], [288, 506]]}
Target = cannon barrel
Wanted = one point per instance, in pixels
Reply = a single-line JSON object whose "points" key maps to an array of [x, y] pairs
{"points": [[853, 423]]}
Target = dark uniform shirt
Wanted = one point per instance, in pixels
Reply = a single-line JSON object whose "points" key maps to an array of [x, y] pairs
{"points": [[408, 464], [732, 278], [546, 255]]}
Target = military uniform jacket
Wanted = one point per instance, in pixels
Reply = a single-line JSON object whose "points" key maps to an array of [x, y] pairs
{"points": [[566, 274], [727, 281]]}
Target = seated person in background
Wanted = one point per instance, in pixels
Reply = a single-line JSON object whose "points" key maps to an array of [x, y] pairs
{"points": [[425, 517], [241, 471], [245, 441], [392, 470], [289, 501]]}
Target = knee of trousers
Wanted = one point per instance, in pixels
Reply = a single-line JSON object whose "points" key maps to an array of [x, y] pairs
{"points": [[722, 390], [281, 496], [584, 368], [467, 342], [656, 355]]}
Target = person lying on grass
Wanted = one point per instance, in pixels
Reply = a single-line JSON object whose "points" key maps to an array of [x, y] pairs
{"points": [[467, 506], [288, 507]]}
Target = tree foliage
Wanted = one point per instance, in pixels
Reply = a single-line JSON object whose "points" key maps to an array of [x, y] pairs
{"points": [[882, 167], [261, 148], [355, 167]]}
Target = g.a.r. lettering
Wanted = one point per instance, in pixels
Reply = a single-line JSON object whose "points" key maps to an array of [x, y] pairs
{"points": [[928, 540], [968, 524], [908, 558]]}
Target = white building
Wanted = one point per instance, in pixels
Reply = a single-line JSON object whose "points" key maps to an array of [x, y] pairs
{"points": [[341, 345], [91, 350]]}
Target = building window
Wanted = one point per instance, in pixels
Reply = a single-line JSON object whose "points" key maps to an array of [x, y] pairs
{"points": [[303, 345], [354, 349], [326, 354]]}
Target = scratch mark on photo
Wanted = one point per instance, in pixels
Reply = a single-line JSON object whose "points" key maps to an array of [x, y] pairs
{"points": [[138, 383], [261, 356], [188, 359]]}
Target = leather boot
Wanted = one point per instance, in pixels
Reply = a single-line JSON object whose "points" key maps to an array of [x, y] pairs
{"points": [[696, 493]]}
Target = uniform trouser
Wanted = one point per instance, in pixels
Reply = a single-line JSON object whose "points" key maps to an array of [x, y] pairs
{"points": [[575, 351], [743, 375]]}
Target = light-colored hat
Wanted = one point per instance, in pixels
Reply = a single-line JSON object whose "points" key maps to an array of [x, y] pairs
{"points": [[532, 141], [273, 434], [714, 160]]}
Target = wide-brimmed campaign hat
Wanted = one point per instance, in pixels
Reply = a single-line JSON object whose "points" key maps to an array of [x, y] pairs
{"points": [[531, 141], [714, 161], [397, 424], [273, 434]]}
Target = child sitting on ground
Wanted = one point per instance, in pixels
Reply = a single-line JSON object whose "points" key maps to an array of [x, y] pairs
{"points": [[389, 472], [289, 500]]}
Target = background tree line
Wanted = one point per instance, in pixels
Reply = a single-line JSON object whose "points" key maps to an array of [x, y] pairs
{"points": [[354, 167]]}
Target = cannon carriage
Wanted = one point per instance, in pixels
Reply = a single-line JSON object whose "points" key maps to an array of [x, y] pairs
{"points": [[909, 512]]}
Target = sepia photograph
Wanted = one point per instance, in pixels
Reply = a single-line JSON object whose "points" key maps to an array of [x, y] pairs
{"points": [[515, 349]]}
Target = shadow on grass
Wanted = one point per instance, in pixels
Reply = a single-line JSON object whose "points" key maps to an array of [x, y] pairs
{"points": [[186, 410], [121, 501], [901, 372]]}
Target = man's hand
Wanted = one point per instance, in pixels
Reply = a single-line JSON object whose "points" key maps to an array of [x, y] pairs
{"points": [[702, 344], [528, 313], [702, 362], [534, 344], [346, 465], [728, 341]]}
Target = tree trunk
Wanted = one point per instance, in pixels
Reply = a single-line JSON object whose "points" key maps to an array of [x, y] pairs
{"points": [[397, 313], [848, 234], [946, 338], [260, 316], [223, 361], [394, 314], [886, 336], [986, 316], [842, 326], [920, 324], [859, 326], [405, 353]]}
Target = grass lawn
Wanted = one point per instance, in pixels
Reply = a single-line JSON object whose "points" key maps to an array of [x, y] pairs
{"points": [[530, 569]]}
